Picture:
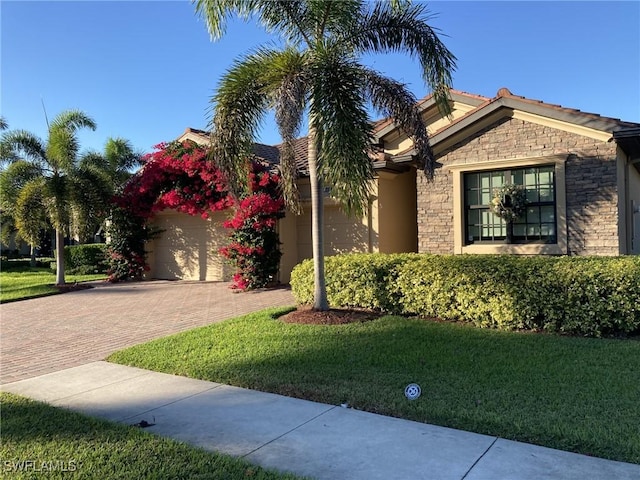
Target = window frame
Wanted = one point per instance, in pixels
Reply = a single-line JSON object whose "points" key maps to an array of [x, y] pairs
{"points": [[475, 188], [459, 220]]}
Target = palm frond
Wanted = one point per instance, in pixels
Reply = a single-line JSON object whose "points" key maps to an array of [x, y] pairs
{"points": [[30, 213], [90, 190], [405, 28], [394, 100], [56, 199], [62, 145], [287, 17], [216, 13], [72, 120], [21, 144], [238, 107], [8, 228], [13, 179], [291, 82], [62, 149], [290, 18], [120, 155], [3, 123], [330, 18], [343, 130], [92, 158]]}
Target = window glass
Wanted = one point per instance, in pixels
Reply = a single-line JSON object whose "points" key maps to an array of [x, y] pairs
{"points": [[548, 214], [537, 224]]}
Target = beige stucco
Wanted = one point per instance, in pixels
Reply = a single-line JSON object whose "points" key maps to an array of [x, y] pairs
{"points": [[633, 211], [397, 142], [629, 203], [396, 202], [342, 233], [187, 247]]}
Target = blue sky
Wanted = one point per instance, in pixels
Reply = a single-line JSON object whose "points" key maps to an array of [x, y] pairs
{"points": [[145, 70]]}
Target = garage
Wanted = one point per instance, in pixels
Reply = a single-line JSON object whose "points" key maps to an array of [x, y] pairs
{"points": [[187, 248]]}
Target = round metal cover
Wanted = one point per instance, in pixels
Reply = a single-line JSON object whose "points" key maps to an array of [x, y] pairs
{"points": [[412, 391]]}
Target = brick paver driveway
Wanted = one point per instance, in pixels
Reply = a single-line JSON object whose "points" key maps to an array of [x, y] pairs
{"points": [[48, 334]]}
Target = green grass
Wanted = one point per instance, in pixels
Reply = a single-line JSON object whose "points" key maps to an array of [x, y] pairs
{"points": [[18, 283], [570, 393], [36, 436]]}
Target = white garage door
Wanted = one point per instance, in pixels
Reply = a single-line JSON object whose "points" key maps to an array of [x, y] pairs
{"points": [[187, 249]]}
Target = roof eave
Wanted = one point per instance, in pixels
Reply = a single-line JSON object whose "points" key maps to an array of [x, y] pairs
{"points": [[629, 140], [429, 102]]}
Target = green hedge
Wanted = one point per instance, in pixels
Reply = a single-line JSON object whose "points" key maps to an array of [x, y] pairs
{"points": [[578, 295], [85, 259], [354, 280]]}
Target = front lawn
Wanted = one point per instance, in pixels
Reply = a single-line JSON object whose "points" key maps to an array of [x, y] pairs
{"points": [[28, 282], [40, 441], [570, 393]]}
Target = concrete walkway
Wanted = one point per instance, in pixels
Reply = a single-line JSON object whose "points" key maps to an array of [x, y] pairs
{"points": [[41, 338], [313, 439]]}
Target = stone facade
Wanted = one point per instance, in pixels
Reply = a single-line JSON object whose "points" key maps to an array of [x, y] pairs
{"points": [[591, 189]]}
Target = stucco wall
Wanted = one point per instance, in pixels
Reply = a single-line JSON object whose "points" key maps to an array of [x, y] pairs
{"points": [[342, 234], [591, 195], [187, 247], [634, 217], [397, 212]]}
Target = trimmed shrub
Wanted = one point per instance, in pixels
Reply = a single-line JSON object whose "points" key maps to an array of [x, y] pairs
{"points": [[354, 280], [84, 259], [591, 296]]}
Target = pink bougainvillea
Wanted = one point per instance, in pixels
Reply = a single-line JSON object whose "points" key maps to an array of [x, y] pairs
{"points": [[254, 245], [182, 177]]}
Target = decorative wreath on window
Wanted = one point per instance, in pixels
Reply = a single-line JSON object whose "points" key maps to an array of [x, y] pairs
{"points": [[509, 202]]}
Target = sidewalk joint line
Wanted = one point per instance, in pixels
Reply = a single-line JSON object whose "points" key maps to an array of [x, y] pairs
{"points": [[124, 419], [52, 402], [288, 432], [480, 458]]}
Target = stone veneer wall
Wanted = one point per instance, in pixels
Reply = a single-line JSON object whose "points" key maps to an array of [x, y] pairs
{"points": [[591, 188]]}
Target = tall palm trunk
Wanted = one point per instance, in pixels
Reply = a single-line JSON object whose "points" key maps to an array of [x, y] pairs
{"points": [[32, 259], [317, 227], [59, 256]]}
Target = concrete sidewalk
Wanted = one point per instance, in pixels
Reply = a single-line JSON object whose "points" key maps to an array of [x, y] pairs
{"points": [[307, 438]]}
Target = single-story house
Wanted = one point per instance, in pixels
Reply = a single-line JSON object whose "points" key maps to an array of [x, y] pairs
{"points": [[581, 172]]}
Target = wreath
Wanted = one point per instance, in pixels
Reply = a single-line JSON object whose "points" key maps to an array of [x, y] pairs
{"points": [[509, 202]]}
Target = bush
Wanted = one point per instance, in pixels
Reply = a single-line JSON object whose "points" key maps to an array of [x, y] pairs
{"points": [[354, 280], [591, 296], [84, 259]]}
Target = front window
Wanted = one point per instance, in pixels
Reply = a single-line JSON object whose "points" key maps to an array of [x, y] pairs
{"points": [[536, 225]]}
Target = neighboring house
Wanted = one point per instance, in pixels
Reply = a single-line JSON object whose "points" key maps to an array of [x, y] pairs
{"points": [[581, 172]]}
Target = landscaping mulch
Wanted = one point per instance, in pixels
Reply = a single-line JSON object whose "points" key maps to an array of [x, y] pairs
{"points": [[334, 316]]}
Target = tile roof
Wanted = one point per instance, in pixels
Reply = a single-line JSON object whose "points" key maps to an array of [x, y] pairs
{"points": [[504, 98], [269, 154]]}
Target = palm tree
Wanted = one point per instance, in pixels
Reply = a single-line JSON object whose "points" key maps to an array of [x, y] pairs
{"points": [[117, 161], [22, 207], [319, 73], [55, 185], [114, 167]]}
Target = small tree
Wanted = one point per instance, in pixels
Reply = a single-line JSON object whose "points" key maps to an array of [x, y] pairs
{"points": [[320, 72], [59, 187]]}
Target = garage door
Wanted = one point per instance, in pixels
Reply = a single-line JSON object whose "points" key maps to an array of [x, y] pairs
{"points": [[342, 234], [187, 249]]}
